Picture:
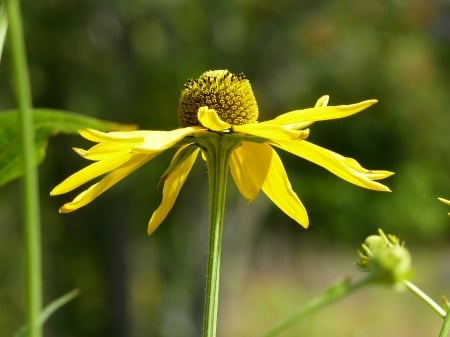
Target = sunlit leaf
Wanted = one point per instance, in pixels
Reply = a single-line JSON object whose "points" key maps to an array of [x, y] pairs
{"points": [[47, 123]]}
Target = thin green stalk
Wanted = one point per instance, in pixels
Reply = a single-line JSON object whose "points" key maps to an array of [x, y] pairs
{"points": [[30, 181], [217, 149], [332, 294], [445, 329], [425, 298], [3, 28]]}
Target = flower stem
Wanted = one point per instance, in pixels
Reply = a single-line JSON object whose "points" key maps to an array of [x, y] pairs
{"points": [[217, 149], [30, 181], [332, 294], [445, 329], [425, 298]]}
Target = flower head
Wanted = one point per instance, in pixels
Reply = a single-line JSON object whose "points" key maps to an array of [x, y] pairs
{"points": [[229, 95], [220, 103]]}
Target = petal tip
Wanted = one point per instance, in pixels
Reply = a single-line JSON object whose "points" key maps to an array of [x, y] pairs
{"points": [[79, 151], [63, 210], [56, 191], [304, 220], [322, 101], [384, 188], [151, 227], [372, 101]]}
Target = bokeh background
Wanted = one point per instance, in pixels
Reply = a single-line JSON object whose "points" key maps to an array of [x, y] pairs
{"points": [[127, 60]]}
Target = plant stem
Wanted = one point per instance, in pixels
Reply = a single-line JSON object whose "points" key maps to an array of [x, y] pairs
{"points": [[30, 181], [445, 329], [332, 294], [425, 298], [3, 28], [217, 150]]}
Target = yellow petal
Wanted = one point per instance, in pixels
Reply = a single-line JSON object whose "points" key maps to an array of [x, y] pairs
{"points": [[345, 168], [278, 188], [321, 113], [108, 181], [210, 120], [270, 131], [172, 187], [371, 174], [90, 172], [158, 141], [123, 136], [103, 151], [249, 165]]}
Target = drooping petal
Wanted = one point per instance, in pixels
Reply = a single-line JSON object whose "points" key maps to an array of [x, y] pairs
{"points": [[108, 181], [320, 113], [278, 188], [171, 189], [249, 166], [179, 158], [345, 168], [90, 172], [210, 120], [271, 131], [158, 141]]}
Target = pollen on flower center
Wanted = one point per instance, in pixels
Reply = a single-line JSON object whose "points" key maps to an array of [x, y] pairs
{"points": [[230, 95]]}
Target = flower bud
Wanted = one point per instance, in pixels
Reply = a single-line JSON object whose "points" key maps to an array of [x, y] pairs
{"points": [[386, 258]]}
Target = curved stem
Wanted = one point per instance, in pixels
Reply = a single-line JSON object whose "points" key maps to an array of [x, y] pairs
{"points": [[30, 181], [332, 294], [217, 150]]}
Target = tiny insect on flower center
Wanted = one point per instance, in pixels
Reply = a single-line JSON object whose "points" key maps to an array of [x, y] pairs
{"points": [[230, 95]]}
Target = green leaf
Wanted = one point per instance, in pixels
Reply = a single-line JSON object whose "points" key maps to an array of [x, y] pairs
{"points": [[50, 309], [47, 123]]}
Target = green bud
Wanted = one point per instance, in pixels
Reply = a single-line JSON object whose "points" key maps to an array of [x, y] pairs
{"points": [[386, 258]]}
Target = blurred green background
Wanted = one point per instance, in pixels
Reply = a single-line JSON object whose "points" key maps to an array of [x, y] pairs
{"points": [[127, 60]]}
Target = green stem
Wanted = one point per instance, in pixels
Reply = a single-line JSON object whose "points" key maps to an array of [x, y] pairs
{"points": [[445, 329], [30, 181], [425, 298], [217, 149], [332, 294], [3, 28]]}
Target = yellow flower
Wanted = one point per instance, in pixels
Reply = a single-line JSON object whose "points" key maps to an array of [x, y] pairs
{"points": [[220, 103]]}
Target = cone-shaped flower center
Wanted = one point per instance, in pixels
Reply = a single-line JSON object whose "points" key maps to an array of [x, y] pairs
{"points": [[230, 95]]}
